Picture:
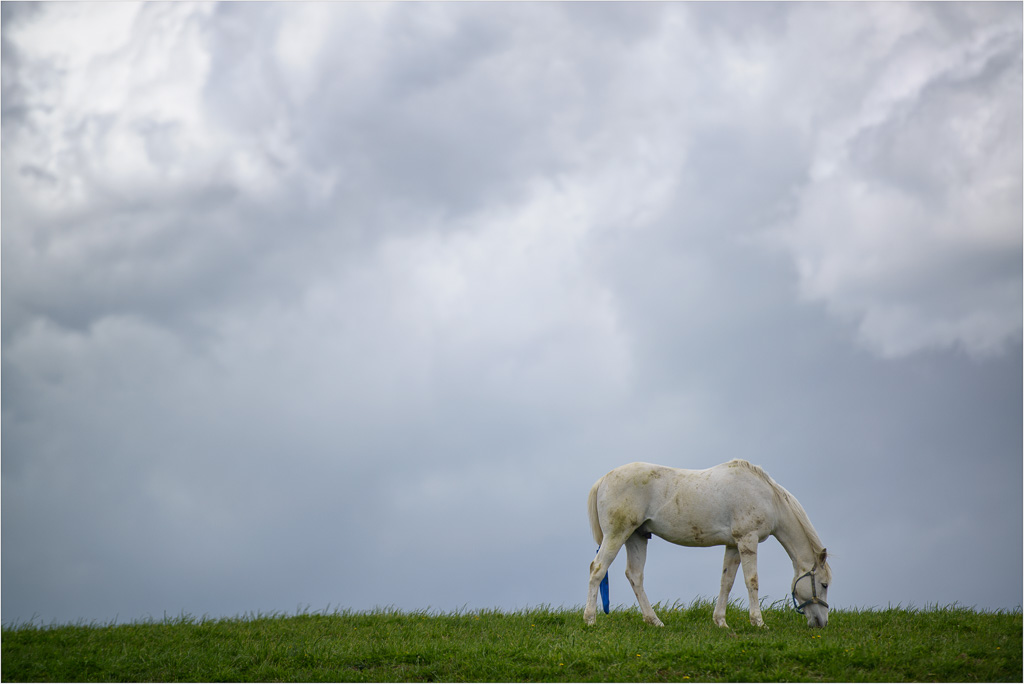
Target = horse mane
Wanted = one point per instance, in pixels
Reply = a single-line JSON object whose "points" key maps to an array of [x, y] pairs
{"points": [[784, 499]]}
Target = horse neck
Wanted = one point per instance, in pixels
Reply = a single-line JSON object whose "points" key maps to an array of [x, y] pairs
{"points": [[794, 538]]}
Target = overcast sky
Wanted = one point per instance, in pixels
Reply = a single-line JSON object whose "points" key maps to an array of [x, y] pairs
{"points": [[348, 305]]}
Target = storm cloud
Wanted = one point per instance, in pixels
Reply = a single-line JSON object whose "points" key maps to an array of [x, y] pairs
{"points": [[349, 304]]}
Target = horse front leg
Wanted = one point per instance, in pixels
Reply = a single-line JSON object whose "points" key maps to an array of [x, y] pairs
{"points": [[747, 547], [729, 568]]}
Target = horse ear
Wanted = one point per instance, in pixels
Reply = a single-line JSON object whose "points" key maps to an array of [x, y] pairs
{"points": [[823, 556]]}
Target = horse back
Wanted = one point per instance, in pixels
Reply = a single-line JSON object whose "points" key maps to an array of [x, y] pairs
{"points": [[707, 507]]}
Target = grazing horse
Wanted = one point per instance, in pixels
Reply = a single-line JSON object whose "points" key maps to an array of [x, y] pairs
{"points": [[735, 504]]}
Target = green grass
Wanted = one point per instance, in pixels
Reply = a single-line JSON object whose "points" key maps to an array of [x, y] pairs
{"points": [[939, 644]]}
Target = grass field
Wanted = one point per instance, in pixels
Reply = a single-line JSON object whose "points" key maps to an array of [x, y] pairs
{"points": [[943, 644]]}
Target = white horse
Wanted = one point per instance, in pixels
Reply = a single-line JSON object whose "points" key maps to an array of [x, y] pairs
{"points": [[735, 504]]}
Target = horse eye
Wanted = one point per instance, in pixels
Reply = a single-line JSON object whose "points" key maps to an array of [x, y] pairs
{"points": [[824, 586]]}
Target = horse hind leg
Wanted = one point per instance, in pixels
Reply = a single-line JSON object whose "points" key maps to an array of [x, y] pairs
{"points": [[636, 557], [729, 567], [598, 569]]}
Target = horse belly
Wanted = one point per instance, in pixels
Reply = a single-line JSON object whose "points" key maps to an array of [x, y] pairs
{"points": [[691, 534], [694, 514], [691, 528]]}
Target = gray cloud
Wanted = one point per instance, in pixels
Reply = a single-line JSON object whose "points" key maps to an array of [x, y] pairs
{"points": [[350, 304], [908, 224]]}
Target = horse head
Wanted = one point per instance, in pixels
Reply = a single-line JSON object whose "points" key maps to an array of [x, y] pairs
{"points": [[810, 591]]}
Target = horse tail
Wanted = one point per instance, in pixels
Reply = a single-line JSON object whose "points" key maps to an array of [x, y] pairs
{"points": [[595, 524]]}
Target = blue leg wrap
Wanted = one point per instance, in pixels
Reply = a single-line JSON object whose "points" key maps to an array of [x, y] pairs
{"points": [[604, 592]]}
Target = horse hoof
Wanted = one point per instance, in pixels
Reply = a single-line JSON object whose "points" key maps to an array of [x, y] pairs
{"points": [[654, 621]]}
